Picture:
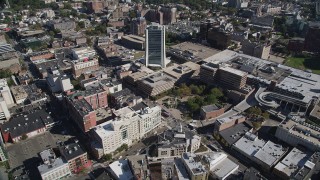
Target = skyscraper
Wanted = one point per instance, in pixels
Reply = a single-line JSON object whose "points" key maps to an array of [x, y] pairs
{"points": [[155, 46]]}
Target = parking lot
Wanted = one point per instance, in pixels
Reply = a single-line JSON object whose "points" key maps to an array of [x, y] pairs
{"points": [[26, 151]]}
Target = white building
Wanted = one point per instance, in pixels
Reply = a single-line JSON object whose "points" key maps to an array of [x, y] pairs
{"points": [[129, 125], [83, 53], [121, 170], [4, 112], [265, 153], [6, 93], [58, 82], [53, 168], [296, 133], [155, 54]]}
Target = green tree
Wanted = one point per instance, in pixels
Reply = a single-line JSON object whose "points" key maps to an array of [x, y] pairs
{"points": [[211, 99], [217, 92], [265, 115], [106, 157]]}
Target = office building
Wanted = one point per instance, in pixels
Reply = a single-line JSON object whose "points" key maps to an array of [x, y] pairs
{"points": [[156, 83], [265, 154], [208, 72], [182, 72], [173, 143], [138, 26], [256, 49], [232, 78], [155, 53], [129, 124], [53, 167], [295, 132], [75, 156]]}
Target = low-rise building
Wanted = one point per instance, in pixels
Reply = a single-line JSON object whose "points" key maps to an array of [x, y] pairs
{"points": [[173, 143], [124, 98], [58, 82], [133, 42], [225, 123], [139, 166], [211, 111], [75, 155], [265, 153], [19, 94], [26, 125], [8, 56], [6, 93], [80, 67], [155, 84], [121, 170], [183, 72], [295, 132], [95, 96], [41, 55], [297, 164], [196, 170], [53, 167]]}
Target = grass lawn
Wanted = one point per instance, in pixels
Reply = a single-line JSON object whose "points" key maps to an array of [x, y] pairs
{"points": [[303, 63]]}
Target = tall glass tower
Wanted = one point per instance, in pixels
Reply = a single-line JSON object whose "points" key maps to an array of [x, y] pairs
{"points": [[155, 54]]}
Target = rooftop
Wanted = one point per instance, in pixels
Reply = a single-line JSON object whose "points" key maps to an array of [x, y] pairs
{"points": [[267, 152], [192, 52], [303, 130], [121, 170], [176, 71], [210, 108], [134, 38], [70, 150], [26, 123], [193, 163], [50, 161], [139, 165], [233, 134], [229, 119], [295, 160], [158, 79]]}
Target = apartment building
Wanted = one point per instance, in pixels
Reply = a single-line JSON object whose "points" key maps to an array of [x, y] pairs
{"points": [[138, 26], [128, 125], [82, 113], [95, 96]]}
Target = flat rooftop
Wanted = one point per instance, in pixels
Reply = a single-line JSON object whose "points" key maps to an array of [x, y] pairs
{"points": [[296, 158], [134, 38], [302, 130], [233, 134], [193, 52], [176, 71], [288, 78], [267, 152], [121, 169], [158, 79]]}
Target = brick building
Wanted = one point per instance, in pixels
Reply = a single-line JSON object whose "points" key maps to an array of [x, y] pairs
{"points": [[211, 111], [76, 157]]}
